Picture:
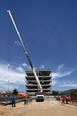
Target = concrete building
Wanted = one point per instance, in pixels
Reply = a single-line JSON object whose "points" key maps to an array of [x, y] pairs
{"points": [[45, 80]]}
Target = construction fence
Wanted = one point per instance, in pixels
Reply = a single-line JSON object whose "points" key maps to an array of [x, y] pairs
{"points": [[7, 100]]}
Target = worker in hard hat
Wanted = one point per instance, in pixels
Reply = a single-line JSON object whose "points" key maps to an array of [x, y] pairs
{"points": [[13, 101], [63, 99], [59, 98], [67, 99]]}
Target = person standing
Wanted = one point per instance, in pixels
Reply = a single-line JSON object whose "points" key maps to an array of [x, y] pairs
{"points": [[59, 98], [63, 98], [66, 99], [13, 101], [25, 101]]}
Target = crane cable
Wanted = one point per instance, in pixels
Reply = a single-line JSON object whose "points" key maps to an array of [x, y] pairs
{"points": [[8, 52]]}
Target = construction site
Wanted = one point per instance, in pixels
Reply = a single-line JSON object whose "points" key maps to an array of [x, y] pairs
{"points": [[38, 99], [46, 108]]}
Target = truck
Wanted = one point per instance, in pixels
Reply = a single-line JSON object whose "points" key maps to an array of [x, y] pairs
{"points": [[39, 95]]}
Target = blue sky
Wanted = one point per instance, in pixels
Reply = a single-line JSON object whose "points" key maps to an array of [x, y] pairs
{"points": [[49, 31]]}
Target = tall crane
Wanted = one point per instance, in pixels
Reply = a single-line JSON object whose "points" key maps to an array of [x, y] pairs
{"points": [[26, 53]]}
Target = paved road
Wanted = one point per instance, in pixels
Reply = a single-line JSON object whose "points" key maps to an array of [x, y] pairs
{"points": [[47, 108]]}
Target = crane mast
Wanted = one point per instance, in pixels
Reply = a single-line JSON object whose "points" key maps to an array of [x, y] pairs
{"points": [[26, 53]]}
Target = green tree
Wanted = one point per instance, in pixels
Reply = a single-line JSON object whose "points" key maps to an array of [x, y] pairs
{"points": [[55, 92], [62, 94], [15, 92]]}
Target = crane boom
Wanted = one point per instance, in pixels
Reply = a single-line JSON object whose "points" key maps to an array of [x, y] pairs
{"points": [[34, 72]]}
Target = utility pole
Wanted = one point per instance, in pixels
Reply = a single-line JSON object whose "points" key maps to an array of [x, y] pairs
{"points": [[8, 77]]}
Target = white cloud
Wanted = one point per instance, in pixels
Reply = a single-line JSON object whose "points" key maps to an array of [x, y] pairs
{"points": [[29, 67], [69, 84], [17, 43], [60, 67], [4, 86], [14, 75], [54, 82], [42, 67], [20, 69], [61, 74], [24, 64]]}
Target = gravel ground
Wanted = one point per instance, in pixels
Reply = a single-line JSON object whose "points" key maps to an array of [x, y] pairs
{"points": [[46, 108]]}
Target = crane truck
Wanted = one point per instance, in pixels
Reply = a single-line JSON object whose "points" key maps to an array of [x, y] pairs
{"points": [[40, 95]]}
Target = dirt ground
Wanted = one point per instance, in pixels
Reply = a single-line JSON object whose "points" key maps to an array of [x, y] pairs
{"points": [[46, 108]]}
